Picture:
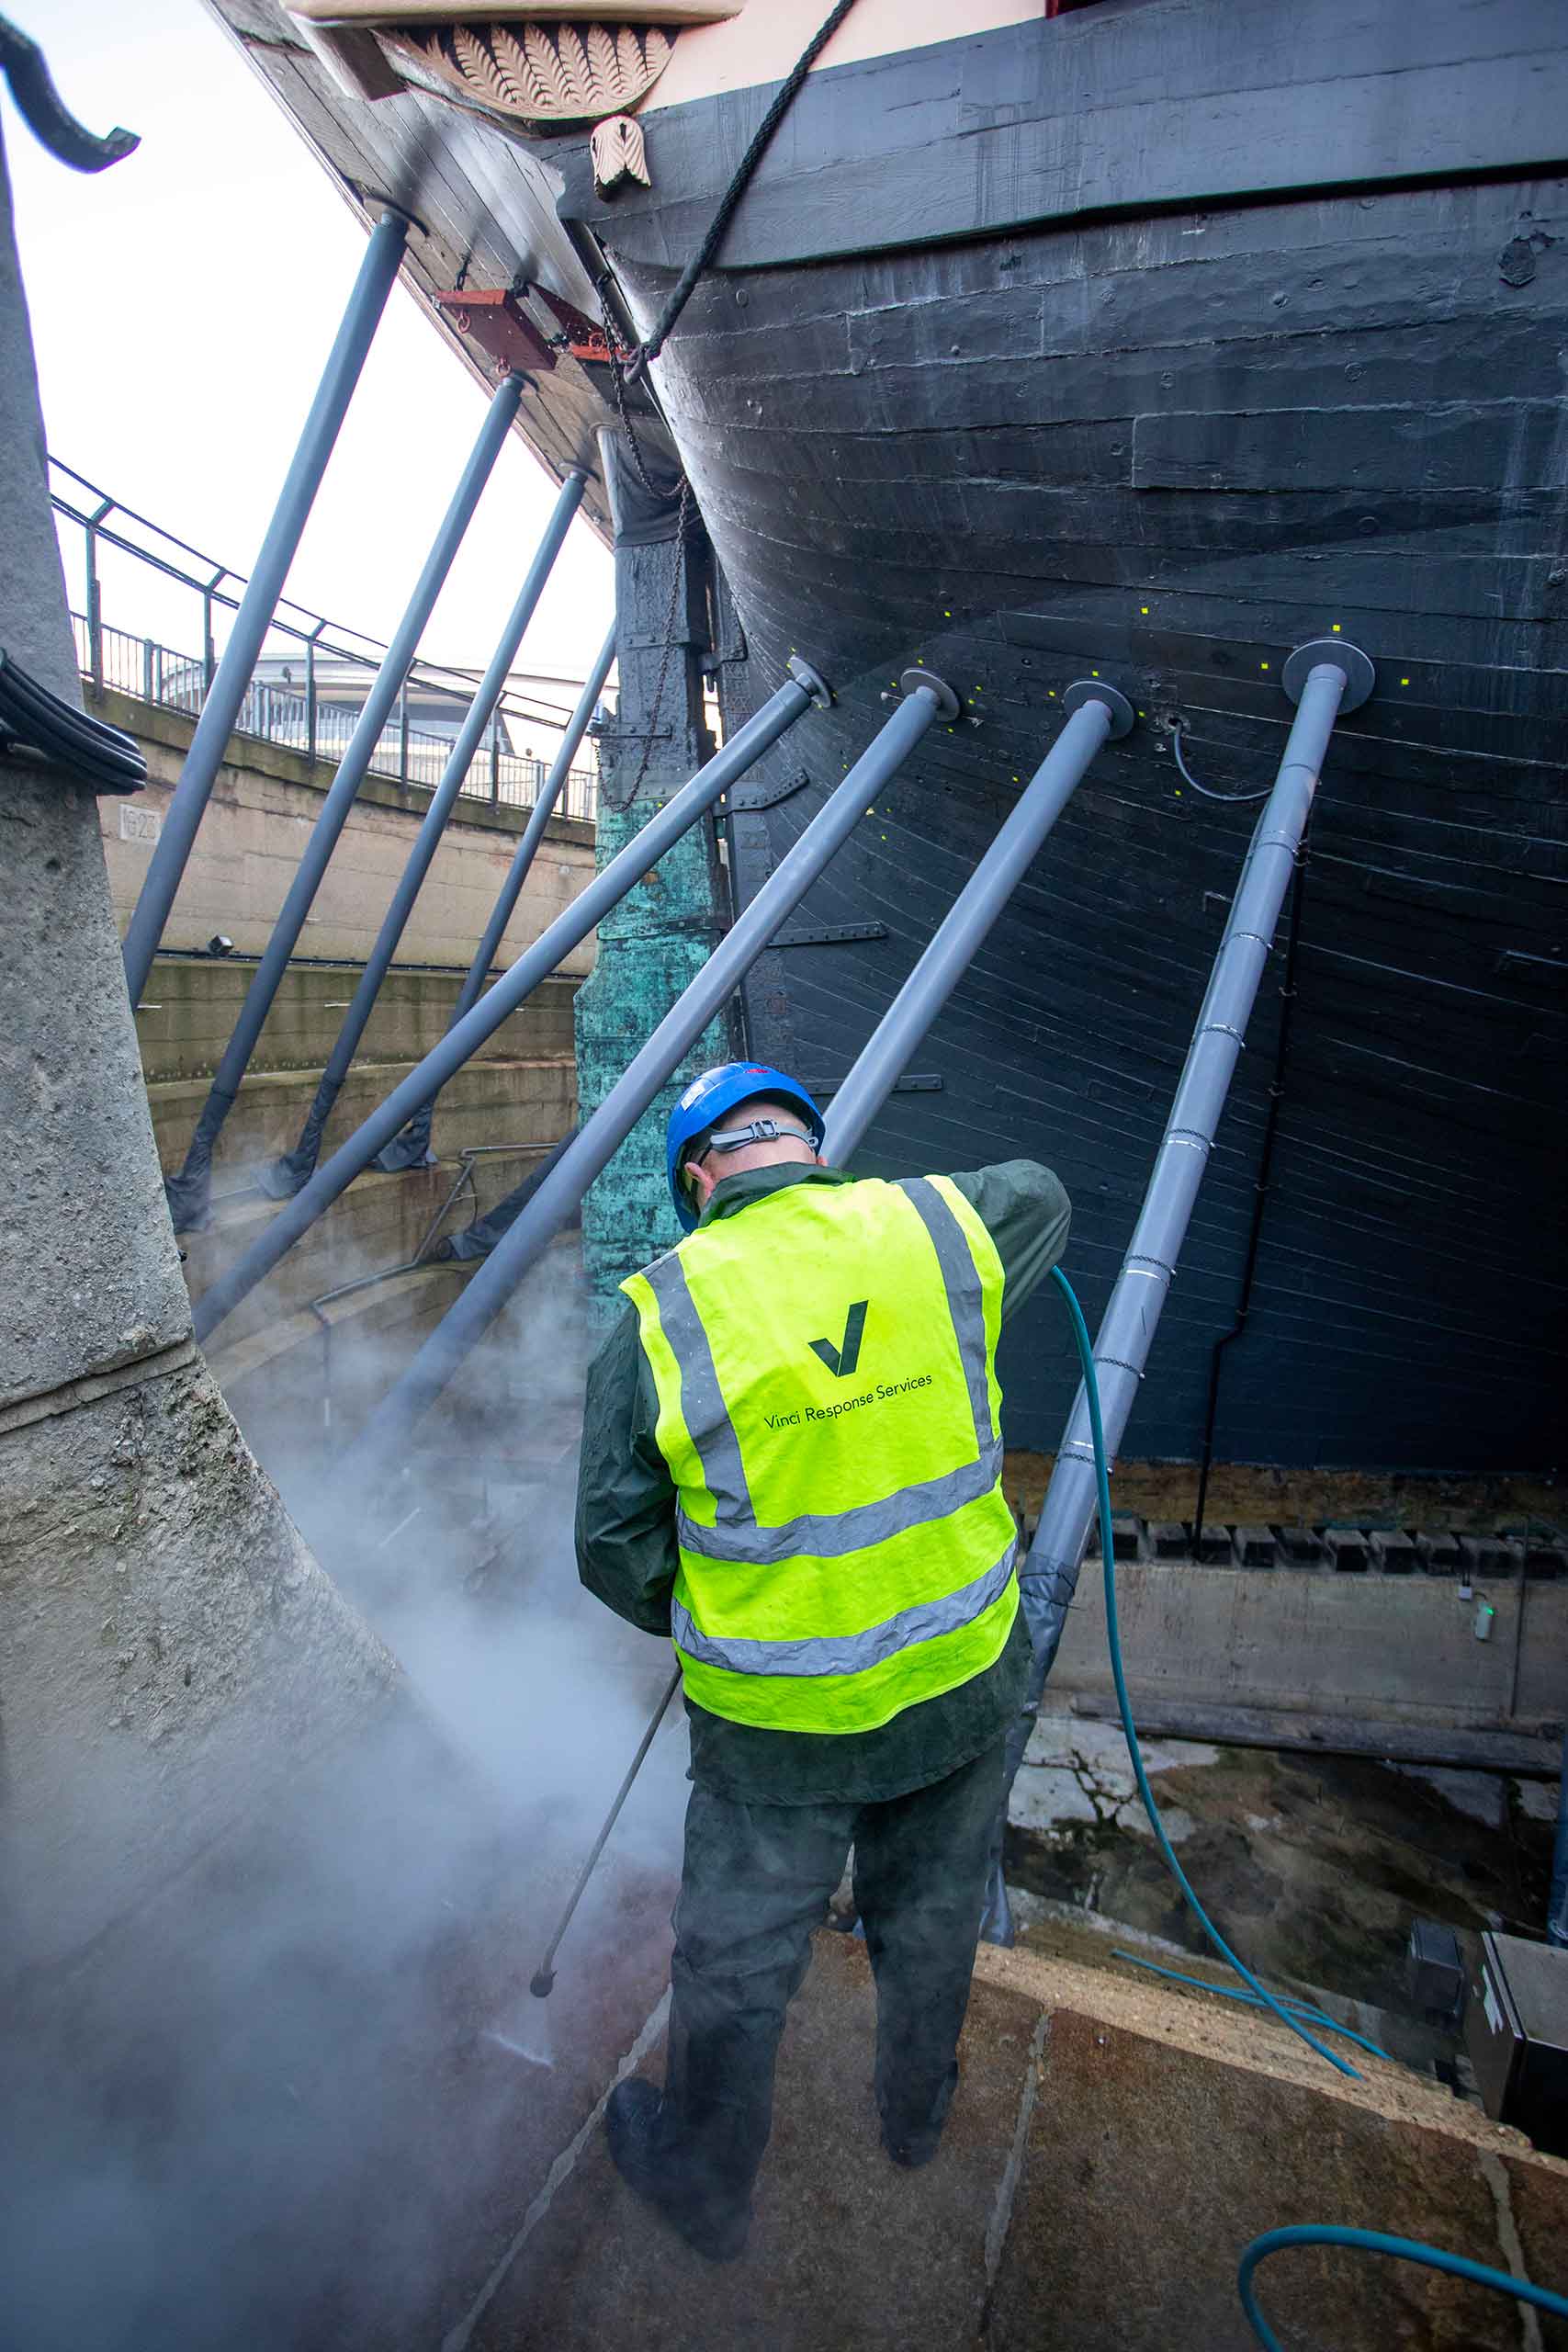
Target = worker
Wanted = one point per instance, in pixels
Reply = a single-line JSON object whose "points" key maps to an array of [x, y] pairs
{"points": [[792, 1465]]}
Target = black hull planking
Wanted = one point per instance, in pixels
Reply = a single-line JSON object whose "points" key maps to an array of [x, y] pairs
{"points": [[1170, 449]]}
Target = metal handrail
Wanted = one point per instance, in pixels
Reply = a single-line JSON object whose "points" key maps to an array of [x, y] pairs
{"points": [[306, 630], [170, 680]]}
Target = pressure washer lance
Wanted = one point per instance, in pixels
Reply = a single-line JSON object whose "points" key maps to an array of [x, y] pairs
{"points": [[542, 1983]]}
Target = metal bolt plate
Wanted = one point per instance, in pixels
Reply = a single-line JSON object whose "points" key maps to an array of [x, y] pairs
{"points": [[1084, 690], [1333, 651]]}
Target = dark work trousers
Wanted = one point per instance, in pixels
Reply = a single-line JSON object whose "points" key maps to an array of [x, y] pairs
{"points": [[757, 1880]]}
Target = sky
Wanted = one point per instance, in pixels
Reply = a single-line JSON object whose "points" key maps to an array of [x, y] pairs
{"points": [[183, 303]]}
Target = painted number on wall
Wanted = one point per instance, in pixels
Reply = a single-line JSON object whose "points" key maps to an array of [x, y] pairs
{"points": [[139, 824]]}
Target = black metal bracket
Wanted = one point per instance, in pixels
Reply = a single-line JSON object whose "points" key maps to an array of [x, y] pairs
{"points": [[45, 112], [33, 719], [914, 1082], [830, 935], [748, 799]]}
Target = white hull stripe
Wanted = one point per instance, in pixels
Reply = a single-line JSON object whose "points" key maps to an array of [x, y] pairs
{"points": [[736, 1533], [846, 1653]]}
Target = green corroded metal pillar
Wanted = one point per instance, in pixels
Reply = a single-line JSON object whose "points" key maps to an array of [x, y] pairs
{"points": [[663, 932]]}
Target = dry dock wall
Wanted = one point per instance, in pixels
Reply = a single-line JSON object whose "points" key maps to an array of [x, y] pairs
{"points": [[264, 801], [1395, 1651], [169, 1652]]}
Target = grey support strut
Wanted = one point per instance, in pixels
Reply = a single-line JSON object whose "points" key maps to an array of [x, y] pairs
{"points": [[599, 1137], [377, 273], [799, 691], [409, 1149], [286, 1174], [189, 1192]]}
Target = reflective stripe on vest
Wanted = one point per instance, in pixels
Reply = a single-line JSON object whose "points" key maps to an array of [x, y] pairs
{"points": [[835, 1615]]}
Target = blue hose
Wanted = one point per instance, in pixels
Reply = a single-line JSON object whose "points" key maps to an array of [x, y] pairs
{"points": [[1374, 2242], [1232, 1993], [1114, 1636], [1313, 2233]]}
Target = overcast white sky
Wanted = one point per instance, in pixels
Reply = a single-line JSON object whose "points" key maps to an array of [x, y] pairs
{"points": [[183, 303]]}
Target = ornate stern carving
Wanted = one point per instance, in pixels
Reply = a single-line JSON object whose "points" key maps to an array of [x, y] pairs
{"points": [[551, 76], [619, 152]]}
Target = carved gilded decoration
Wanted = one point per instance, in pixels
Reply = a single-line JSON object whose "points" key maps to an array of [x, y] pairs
{"points": [[557, 73]]}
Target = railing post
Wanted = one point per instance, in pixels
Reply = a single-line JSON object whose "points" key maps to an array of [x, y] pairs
{"points": [[94, 592], [495, 760], [147, 694], [189, 1192], [801, 691], [208, 743], [209, 637], [403, 733], [310, 690], [926, 699], [286, 1173]]}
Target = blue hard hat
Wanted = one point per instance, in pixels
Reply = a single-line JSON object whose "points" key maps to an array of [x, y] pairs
{"points": [[708, 1099]]}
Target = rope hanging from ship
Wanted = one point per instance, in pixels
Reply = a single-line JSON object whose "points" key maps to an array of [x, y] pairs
{"points": [[651, 345]]}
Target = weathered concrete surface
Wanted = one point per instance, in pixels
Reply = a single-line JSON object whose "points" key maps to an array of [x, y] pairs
{"points": [[169, 1652], [263, 803], [192, 1004], [845, 2249], [1370, 1647], [1113, 2147], [1165, 2137], [168, 1648], [87, 1260]]}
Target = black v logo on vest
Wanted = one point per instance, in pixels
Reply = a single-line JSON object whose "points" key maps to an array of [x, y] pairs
{"points": [[841, 1361]]}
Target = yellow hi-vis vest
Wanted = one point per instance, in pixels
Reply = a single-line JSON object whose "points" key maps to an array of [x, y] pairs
{"points": [[825, 1365]]}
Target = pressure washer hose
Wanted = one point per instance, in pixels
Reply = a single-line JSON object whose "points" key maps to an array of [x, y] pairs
{"points": [[1313, 2233], [1374, 2242], [1113, 1638]]}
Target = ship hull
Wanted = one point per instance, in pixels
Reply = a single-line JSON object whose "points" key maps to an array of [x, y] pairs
{"points": [[1164, 450]]}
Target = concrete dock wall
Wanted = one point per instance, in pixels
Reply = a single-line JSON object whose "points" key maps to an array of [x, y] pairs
{"points": [[264, 801], [170, 1651], [1358, 1651]]}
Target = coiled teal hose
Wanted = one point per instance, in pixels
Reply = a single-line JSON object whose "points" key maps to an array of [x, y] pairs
{"points": [[1374, 2242], [1311, 2233], [1114, 1636]]}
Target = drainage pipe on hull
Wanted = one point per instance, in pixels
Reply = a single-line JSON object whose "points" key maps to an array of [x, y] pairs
{"points": [[1098, 713], [800, 691], [189, 1192], [412, 1148], [221, 707], [286, 1174], [465, 1323], [1325, 679]]}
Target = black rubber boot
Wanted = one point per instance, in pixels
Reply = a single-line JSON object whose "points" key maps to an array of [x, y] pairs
{"points": [[640, 2152], [912, 2145]]}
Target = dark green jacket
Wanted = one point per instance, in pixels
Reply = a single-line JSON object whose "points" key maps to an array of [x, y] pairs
{"points": [[625, 1530]]}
